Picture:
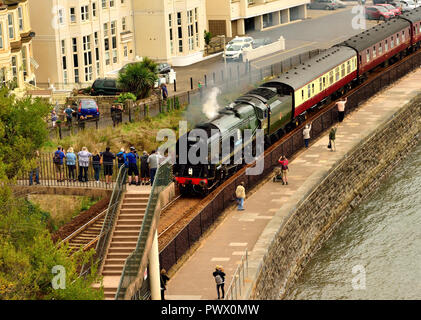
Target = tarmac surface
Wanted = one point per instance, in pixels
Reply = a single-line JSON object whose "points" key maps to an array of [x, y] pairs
{"points": [[241, 230]]}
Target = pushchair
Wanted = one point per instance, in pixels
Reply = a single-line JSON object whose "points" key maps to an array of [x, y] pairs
{"points": [[278, 175]]}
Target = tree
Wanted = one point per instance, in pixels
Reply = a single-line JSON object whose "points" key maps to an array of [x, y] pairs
{"points": [[208, 37], [27, 252], [139, 78]]}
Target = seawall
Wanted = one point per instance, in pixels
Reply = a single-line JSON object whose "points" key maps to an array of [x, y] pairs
{"points": [[281, 256]]}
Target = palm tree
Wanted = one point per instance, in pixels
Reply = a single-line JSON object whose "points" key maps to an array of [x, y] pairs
{"points": [[138, 78]]}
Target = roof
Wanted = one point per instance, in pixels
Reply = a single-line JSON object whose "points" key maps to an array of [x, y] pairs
{"points": [[300, 75], [375, 34], [413, 15]]}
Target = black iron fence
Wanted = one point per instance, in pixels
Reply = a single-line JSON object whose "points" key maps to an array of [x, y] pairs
{"points": [[289, 146]]}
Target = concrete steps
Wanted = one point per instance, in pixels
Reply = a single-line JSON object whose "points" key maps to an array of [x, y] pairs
{"points": [[124, 239]]}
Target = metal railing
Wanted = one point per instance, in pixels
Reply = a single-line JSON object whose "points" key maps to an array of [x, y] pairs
{"points": [[132, 278], [238, 279], [110, 217]]}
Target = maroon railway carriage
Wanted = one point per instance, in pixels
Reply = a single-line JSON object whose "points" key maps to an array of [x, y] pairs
{"points": [[414, 18], [380, 43]]}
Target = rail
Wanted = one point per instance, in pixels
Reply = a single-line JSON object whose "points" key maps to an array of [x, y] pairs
{"points": [[132, 278], [238, 279]]}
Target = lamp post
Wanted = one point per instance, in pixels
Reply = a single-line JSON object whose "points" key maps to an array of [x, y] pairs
{"points": [[225, 57]]}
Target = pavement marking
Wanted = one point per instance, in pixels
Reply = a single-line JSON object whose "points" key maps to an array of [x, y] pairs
{"points": [[246, 220], [238, 244], [220, 259], [238, 253], [312, 155]]}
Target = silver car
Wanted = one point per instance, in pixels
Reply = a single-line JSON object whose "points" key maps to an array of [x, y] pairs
{"points": [[324, 5]]}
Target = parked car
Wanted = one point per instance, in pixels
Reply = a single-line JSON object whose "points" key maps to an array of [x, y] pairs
{"points": [[340, 4], [164, 68], [87, 108], [105, 87], [390, 8], [260, 42], [240, 40], [405, 5], [235, 51], [324, 4], [378, 13]]}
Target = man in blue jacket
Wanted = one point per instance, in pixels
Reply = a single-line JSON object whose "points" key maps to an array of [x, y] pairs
{"points": [[131, 163]]}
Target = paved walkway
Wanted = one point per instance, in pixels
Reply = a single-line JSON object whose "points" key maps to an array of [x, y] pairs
{"points": [[240, 230]]}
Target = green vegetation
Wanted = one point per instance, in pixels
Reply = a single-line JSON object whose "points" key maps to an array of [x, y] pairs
{"points": [[126, 96], [139, 78], [141, 134], [27, 252], [207, 37]]}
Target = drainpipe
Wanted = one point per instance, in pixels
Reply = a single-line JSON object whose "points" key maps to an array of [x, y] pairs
{"points": [[155, 278]]}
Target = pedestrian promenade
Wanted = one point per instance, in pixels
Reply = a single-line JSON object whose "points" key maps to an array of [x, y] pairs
{"points": [[246, 229]]}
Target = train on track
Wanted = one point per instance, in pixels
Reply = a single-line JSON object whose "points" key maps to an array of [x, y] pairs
{"points": [[283, 103]]}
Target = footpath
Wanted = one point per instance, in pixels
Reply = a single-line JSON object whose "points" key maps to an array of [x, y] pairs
{"points": [[241, 230]]}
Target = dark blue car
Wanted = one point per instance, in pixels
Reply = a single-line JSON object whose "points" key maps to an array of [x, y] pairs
{"points": [[87, 108]]}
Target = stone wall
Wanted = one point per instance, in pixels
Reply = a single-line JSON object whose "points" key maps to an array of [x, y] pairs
{"points": [[314, 219]]}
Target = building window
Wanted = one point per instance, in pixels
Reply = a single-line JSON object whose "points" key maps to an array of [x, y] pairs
{"points": [[24, 62], [125, 52], [60, 16], [96, 42], [14, 68], [111, 3], [63, 47], [84, 13], [87, 57], [72, 15], [180, 33], [115, 56], [10, 24], [75, 60], [107, 58], [1, 37], [65, 78], [190, 29], [123, 24], [171, 33], [93, 9], [20, 18], [104, 4], [113, 27], [196, 23], [76, 75]]}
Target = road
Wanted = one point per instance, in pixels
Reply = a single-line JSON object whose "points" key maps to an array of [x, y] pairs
{"points": [[321, 30]]}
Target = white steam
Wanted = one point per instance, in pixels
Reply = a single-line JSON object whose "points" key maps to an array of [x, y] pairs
{"points": [[211, 107]]}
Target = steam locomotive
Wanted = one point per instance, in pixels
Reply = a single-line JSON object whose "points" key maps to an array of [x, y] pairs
{"points": [[281, 104]]}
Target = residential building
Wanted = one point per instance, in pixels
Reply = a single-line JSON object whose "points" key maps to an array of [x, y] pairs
{"points": [[238, 17], [170, 30], [16, 59], [81, 40]]}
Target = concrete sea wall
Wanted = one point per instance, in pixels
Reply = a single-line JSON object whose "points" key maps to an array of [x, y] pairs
{"points": [[311, 222]]}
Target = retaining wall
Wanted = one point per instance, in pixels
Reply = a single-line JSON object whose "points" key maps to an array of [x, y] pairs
{"points": [[310, 223]]}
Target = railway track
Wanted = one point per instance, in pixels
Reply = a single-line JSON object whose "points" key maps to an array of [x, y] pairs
{"points": [[182, 210]]}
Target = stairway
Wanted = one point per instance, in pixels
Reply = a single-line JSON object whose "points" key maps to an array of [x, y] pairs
{"points": [[124, 239], [92, 231]]}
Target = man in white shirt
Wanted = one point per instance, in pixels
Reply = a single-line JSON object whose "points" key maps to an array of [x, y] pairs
{"points": [[306, 134], [341, 108]]}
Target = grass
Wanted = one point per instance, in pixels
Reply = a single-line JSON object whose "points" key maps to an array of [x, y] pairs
{"points": [[141, 134], [62, 209]]}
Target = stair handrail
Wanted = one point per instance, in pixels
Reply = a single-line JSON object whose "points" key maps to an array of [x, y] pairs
{"points": [[132, 276]]}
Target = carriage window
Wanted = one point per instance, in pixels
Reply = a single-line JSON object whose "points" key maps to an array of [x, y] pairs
{"points": [[380, 49], [320, 84], [343, 70], [420, 27], [374, 51], [397, 39], [308, 91], [385, 46], [403, 36], [368, 55], [348, 67], [312, 88], [392, 43], [330, 77], [337, 74], [302, 94]]}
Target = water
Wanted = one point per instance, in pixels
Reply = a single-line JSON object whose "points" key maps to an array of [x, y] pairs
{"points": [[382, 235]]}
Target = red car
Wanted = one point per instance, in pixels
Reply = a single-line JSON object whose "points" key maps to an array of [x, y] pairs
{"points": [[390, 8], [378, 13]]}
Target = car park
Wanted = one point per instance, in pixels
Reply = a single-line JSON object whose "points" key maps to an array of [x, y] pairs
{"points": [[391, 8], [406, 5], [88, 108], [236, 51], [240, 40], [340, 4], [324, 5], [377, 13], [105, 87]]}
